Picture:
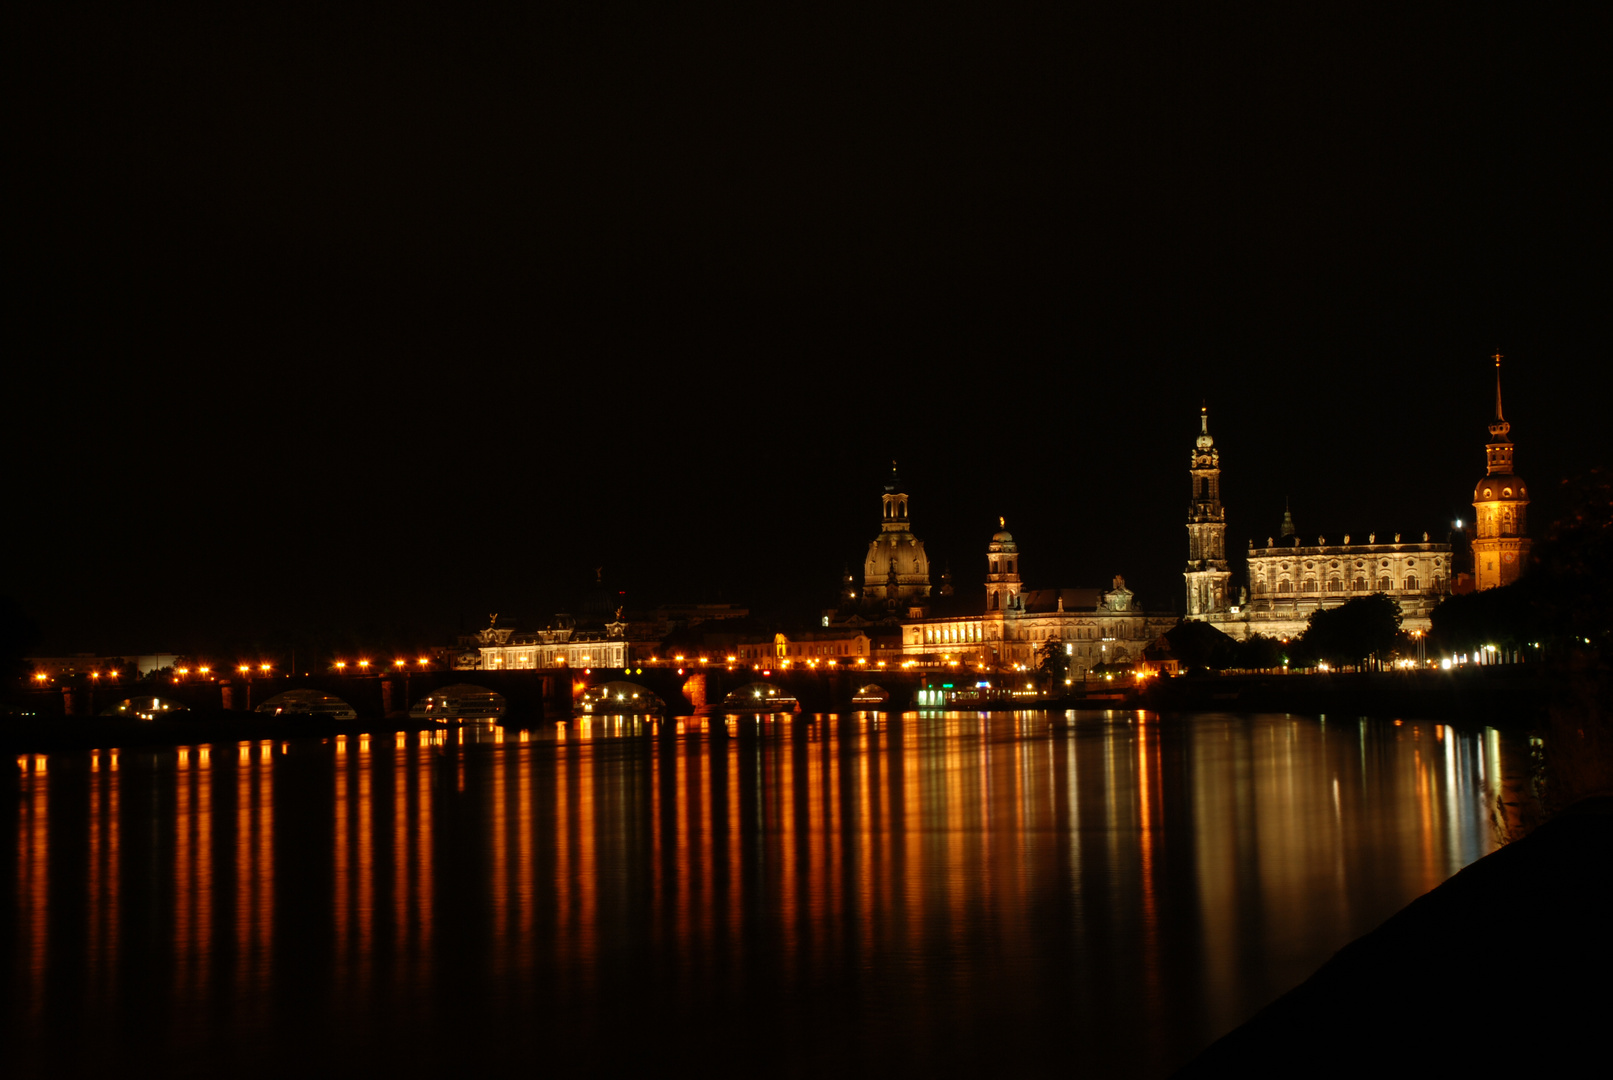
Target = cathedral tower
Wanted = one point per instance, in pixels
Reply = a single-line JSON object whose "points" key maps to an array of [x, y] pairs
{"points": [[1207, 574], [1002, 572], [896, 568], [1500, 543]]}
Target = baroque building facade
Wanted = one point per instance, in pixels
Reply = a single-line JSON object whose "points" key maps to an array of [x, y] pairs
{"points": [[1093, 626], [1500, 500], [1288, 580], [503, 648]]}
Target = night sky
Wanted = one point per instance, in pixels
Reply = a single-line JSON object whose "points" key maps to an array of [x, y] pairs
{"points": [[362, 325]]}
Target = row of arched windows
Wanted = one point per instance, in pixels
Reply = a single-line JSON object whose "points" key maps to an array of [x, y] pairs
{"points": [[949, 635], [1334, 585]]}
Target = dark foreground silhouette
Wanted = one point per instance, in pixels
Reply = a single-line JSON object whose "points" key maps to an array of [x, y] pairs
{"points": [[1505, 964]]}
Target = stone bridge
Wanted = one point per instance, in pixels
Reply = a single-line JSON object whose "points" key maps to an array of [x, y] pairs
{"points": [[532, 695]]}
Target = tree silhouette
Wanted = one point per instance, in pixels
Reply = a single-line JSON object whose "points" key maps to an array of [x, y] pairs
{"points": [[1354, 632]]}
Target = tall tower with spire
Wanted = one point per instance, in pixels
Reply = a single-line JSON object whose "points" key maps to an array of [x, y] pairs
{"points": [[1500, 542], [1207, 572]]}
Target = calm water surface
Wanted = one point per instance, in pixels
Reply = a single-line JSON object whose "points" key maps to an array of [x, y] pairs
{"points": [[1096, 893]]}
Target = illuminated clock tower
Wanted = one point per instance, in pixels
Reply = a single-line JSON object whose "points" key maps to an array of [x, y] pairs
{"points": [[1500, 544], [1207, 573]]}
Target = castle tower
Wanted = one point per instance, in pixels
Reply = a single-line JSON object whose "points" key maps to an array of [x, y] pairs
{"points": [[1002, 572], [896, 559], [1500, 543], [1207, 573]]}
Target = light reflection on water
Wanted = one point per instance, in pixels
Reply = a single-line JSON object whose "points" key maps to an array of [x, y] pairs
{"points": [[950, 892]]}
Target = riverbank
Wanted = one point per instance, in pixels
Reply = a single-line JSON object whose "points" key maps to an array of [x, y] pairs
{"points": [[1506, 696], [1504, 964]]}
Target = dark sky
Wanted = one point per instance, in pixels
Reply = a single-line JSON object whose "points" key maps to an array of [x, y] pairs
{"points": [[367, 323]]}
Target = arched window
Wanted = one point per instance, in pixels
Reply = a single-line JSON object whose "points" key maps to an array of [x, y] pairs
{"points": [[1439, 583], [1360, 584], [1384, 584], [1335, 585], [1309, 586], [994, 601], [1285, 586], [1010, 566], [1411, 581]]}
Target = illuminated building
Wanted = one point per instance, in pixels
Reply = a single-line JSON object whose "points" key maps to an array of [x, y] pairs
{"points": [[503, 648], [1287, 580], [1500, 546], [1094, 626], [896, 571], [1207, 573], [814, 646]]}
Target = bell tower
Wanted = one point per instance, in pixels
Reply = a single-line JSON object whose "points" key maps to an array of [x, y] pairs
{"points": [[1207, 573], [1002, 573], [1500, 541]]}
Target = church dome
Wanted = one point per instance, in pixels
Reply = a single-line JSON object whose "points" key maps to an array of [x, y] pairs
{"points": [[906, 552], [1002, 536]]}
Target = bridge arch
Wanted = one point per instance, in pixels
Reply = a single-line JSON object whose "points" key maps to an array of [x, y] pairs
{"points": [[306, 702], [145, 707], [760, 697], [460, 702], [621, 698], [872, 694]]}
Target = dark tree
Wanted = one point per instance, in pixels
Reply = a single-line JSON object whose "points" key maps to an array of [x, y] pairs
{"points": [[1053, 662], [1572, 571], [1354, 632], [1198, 645], [1260, 653], [1506, 618]]}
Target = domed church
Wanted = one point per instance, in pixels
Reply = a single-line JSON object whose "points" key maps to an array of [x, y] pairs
{"points": [[896, 572]]}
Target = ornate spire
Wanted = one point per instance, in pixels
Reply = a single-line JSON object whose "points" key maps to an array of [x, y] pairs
{"points": [[1288, 520], [1500, 427]]}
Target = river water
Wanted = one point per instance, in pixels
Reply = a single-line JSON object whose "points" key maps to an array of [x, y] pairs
{"points": [[1098, 893]]}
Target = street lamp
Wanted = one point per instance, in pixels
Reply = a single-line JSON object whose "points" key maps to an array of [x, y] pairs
{"points": [[246, 670]]}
